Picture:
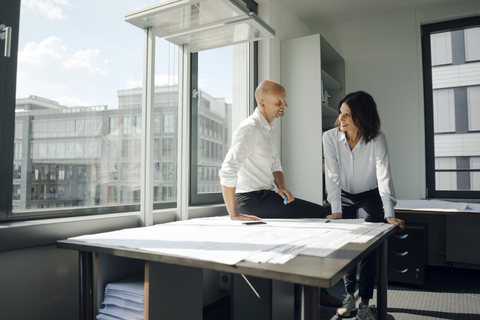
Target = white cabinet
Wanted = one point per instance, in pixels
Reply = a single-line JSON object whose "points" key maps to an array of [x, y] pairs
{"points": [[306, 63]]}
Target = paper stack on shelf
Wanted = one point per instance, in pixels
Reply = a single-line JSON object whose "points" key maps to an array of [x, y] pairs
{"points": [[124, 300]]}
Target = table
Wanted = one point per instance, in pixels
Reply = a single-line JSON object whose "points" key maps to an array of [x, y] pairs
{"points": [[171, 271]]}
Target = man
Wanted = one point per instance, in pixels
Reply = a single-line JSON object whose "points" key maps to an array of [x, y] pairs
{"points": [[252, 169]]}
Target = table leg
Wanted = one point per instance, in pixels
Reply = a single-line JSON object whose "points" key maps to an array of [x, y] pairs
{"points": [[382, 281], [85, 269], [310, 302]]}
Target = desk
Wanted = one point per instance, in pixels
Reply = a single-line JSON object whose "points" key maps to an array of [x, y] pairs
{"points": [[308, 271], [448, 234]]}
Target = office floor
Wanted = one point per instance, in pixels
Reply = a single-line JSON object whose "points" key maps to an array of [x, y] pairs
{"points": [[446, 295]]}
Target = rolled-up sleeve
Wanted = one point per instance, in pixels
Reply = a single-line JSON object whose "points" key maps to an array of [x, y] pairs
{"points": [[332, 173], [384, 177], [242, 146]]}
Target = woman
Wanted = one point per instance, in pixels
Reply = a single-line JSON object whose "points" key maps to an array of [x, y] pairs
{"points": [[359, 184]]}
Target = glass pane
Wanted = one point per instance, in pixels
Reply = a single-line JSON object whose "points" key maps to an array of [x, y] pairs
{"points": [[215, 82], [456, 108], [473, 95], [78, 107], [166, 122], [475, 176]]}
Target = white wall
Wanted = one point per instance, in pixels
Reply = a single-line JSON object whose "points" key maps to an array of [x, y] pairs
{"points": [[383, 57], [287, 26]]}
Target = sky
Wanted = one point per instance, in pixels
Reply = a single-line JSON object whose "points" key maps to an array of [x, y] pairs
{"points": [[80, 52]]}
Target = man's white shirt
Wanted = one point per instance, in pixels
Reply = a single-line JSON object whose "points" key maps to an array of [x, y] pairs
{"points": [[252, 158]]}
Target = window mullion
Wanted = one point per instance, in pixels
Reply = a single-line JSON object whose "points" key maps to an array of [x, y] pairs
{"points": [[146, 198], [183, 148]]}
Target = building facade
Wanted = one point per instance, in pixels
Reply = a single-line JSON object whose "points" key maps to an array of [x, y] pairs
{"points": [[90, 156], [456, 97]]}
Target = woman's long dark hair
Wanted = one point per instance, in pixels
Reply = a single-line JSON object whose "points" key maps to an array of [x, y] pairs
{"points": [[364, 113]]}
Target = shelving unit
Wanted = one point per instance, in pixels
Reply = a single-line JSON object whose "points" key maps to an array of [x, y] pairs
{"points": [[179, 297], [309, 65]]}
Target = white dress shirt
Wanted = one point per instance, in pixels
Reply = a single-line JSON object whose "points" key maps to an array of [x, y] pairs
{"points": [[252, 158], [364, 168]]}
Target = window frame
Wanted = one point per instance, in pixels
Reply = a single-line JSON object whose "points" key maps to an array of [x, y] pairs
{"points": [[196, 198], [428, 30]]}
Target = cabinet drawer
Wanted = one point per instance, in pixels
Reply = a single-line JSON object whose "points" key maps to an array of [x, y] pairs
{"points": [[406, 274], [409, 238], [406, 257]]}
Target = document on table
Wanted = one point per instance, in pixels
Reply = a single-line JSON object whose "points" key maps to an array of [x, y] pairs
{"points": [[437, 205], [222, 240]]}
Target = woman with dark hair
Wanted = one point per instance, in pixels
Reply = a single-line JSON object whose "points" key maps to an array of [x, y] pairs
{"points": [[359, 184]]}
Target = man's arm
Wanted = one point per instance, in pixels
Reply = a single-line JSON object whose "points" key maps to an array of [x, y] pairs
{"points": [[282, 190], [229, 199]]}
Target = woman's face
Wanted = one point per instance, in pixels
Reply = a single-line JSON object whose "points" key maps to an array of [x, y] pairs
{"points": [[346, 120]]}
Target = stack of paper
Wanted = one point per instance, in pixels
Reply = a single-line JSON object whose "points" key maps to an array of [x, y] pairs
{"points": [[124, 300], [221, 240]]}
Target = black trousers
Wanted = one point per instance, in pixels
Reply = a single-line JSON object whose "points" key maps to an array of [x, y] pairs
{"points": [[269, 204], [368, 206]]}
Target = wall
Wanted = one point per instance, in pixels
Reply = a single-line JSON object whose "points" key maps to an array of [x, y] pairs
{"points": [[383, 57], [39, 283], [286, 26]]}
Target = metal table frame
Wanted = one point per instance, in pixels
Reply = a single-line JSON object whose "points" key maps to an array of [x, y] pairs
{"points": [[308, 271]]}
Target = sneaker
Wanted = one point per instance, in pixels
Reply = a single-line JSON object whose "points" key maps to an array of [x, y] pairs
{"points": [[327, 300], [348, 306], [365, 314]]}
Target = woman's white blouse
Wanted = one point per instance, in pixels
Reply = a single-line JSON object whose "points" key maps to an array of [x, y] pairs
{"points": [[364, 168]]}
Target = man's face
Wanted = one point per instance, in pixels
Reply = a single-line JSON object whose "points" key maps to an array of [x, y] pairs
{"points": [[274, 104]]}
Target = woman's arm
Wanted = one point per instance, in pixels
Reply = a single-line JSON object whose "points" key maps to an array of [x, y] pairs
{"points": [[332, 175]]}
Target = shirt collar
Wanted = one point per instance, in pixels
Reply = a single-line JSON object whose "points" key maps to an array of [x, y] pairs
{"points": [[341, 136], [263, 122]]}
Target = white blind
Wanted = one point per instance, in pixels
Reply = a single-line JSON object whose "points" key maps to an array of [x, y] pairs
{"points": [[472, 44], [473, 96], [444, 110], [441, 44]]}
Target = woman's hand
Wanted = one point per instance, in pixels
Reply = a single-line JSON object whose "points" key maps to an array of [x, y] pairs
{"points": [[336, 215], [244, 217], [397, 222]]}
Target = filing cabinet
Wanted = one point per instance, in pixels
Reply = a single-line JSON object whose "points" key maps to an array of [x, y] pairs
{"points": [[407, 255]]}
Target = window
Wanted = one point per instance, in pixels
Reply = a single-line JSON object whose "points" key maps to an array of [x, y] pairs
{"points": [[451, 60], [78, 108], [472, 44], [78, 113], [168, 123]]}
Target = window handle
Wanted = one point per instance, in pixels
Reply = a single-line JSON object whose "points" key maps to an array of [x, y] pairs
{"points": [[6, 33]]}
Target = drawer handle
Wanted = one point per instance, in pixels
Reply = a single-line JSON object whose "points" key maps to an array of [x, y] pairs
{"points": [[400, 236], [400, 253], [400, 270]]}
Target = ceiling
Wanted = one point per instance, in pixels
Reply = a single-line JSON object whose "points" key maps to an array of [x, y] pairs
{"points": [[316, 13]]}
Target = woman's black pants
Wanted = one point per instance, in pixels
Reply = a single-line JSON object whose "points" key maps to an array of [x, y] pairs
{"points": [[366, 205]]}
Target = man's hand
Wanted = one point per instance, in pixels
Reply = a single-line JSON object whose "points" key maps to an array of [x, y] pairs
{"points": [[283, 192], [244, 217], [336, 215], [280, 183], [397, 222]]}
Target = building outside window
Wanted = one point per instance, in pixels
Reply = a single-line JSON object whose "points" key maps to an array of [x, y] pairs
{"points": [[78, 112], [452, 100]]}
